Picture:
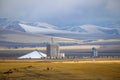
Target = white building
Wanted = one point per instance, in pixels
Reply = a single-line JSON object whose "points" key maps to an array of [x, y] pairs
{"points": [[61, 55], [33, 55]]}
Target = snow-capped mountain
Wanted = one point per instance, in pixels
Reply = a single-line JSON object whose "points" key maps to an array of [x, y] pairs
{"points": [[92, 29], [15, 26], [10, 25], [33, 27], [44, 29], [3, 21], [43, 25]]}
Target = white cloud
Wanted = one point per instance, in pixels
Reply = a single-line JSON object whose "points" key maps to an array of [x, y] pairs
{"points": [[61, 9], [37, 8], [113, 6]]}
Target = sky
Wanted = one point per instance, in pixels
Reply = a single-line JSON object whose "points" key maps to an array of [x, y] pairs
{"points": [[63, 12]]}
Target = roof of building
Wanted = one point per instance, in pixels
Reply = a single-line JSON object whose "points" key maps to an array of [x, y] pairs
{"points": [[34, 54]]}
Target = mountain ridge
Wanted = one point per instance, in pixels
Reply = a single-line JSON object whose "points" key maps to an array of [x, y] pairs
{"points": [[92, 29], [43, 27]]}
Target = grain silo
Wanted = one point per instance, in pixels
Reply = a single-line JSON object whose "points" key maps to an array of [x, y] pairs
{"points": [[94, 52], [53, 50]]}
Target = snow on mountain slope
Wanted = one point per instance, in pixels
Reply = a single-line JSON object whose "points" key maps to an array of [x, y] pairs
{"points": [[44, 25], [92, 29], [99, 30], [34, 29]]}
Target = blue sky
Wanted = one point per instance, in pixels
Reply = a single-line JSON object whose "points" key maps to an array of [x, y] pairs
{"points": [[63, 12]]}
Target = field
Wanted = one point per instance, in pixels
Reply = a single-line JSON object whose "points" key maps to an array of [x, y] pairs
{"points": [[46, 70]]}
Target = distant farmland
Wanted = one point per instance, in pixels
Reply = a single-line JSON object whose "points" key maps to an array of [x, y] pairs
{"points": [[81, 50]]}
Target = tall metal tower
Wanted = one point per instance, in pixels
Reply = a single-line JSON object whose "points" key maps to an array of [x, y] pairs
{"points": [[53, 49], [94, 52]]}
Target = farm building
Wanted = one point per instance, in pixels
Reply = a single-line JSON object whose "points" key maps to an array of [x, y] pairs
{"points": [[94, 52], [53, 50], [33, 55]]}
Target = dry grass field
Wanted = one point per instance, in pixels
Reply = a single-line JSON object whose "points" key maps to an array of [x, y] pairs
{"points": [[38, 70]]}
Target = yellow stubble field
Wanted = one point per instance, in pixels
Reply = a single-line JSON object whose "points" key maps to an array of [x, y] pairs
{"points": [[69, 70]]}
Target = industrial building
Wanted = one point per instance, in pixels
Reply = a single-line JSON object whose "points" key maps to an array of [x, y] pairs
{"points": [[94, 52], [53, 50], [33, 55]]}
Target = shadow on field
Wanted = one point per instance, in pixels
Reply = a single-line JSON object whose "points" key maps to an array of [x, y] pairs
{"points": [[31, 72]]}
